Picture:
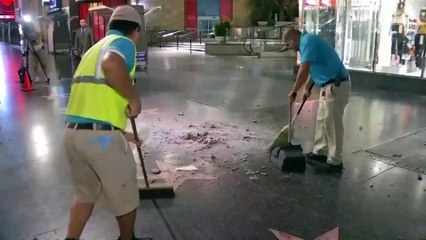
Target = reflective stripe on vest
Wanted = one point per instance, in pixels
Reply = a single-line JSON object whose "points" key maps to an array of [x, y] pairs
{"points": [[88, 79], [91, 95]]}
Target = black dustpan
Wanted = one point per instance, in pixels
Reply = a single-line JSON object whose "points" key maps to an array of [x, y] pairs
{"points": [[289, 158]]}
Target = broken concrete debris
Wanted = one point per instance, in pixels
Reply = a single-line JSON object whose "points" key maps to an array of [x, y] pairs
{"points": [[246, 138], [397, 155], [187, 168], [155, 171], [180, 114], [254, 177], [419, 177]]}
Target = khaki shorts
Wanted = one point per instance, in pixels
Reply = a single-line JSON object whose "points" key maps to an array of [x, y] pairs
{"points": [[102, 163]]}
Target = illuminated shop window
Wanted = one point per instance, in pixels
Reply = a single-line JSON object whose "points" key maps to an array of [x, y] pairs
{"points": [[373, 35]]}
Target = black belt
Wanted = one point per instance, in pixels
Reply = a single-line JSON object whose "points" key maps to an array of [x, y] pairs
{"points": [[91, 126], [335, 81]]}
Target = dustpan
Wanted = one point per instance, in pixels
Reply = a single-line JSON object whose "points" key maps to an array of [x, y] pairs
{"points": [[282, 139]]}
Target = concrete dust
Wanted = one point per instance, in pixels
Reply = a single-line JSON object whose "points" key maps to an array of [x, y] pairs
{"points": [[207, 146], [205, 138]]}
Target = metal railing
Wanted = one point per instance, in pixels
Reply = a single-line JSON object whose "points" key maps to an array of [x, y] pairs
{"points": [[9, 32], [180, 39], [257, 39]]}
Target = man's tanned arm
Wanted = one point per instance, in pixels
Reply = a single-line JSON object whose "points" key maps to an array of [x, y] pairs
{"points": [[302, 76], [117, 75]]}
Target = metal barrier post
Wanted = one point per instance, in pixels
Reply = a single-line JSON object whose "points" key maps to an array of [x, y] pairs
{"points": [[9, 32], [177, 42], [423, 58], [190, 45], [159, 40], [199, 34]]}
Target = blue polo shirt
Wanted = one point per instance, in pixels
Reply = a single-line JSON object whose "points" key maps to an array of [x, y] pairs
{"points": [[324, 61], [125, 48]]}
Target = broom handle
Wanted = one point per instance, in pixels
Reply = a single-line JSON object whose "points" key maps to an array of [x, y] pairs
{"points": [[290, 111], [298, 112], [135, 135]]}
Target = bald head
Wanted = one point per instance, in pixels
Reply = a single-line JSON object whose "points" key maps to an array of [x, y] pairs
{"points": [[291, 32], [291, 37]]}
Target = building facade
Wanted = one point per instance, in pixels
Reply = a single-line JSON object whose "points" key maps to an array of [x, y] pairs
{"points": [[387, 36], [200, 15]]}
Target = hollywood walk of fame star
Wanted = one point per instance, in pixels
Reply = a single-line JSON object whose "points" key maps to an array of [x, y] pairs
{"points": [[171, 175], [330, 235]]}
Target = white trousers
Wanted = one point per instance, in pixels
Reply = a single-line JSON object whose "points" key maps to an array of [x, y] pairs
{"points": [[329, 126]]}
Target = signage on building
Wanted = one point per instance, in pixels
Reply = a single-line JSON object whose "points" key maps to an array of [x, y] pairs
{"points": [[328, 3], [7, 9], [55, 6], [310, 2], [226, 10], [191, 14]]}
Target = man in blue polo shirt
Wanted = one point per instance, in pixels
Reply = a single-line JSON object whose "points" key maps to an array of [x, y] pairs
{"points": [[320, 65]]}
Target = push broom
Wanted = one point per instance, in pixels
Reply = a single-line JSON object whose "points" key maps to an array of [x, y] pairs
{"points": [[150, 191]]}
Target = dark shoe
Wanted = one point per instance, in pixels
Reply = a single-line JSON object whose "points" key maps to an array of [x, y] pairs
{"points": [[144, 238], [316, 157], [329, 168]]}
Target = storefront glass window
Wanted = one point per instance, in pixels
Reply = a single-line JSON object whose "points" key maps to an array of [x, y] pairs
{"points": [[360, 33], [403, 29], [374, 35], [327, 20], [310, 16], [340, 27]]}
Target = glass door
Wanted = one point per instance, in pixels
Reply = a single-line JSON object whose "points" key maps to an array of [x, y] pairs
{"points": [[206, 26], [361, 27], [327, 21], [310, 16], [340, 27]]}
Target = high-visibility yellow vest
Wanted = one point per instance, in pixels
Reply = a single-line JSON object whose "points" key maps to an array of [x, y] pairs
{"points": [[91, 95]]}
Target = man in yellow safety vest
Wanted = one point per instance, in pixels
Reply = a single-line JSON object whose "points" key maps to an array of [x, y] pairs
{"points": [[102, 98]]}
